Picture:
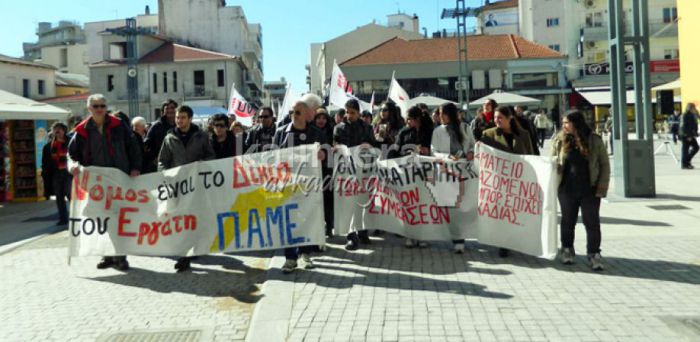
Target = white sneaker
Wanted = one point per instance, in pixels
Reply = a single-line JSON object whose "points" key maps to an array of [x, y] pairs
{"points": [[410, 243], [567, 256], [308, 263], [289, 266], [596, 262], [459, 248]]}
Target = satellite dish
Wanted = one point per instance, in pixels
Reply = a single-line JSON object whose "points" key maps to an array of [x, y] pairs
{"points": [[131, 73]]}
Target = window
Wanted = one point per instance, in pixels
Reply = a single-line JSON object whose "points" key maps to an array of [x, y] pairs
{"points": [[199, 83], [40, 86], [25, 88], [594, 19], [551, 22], [165, 82], [175, 81], [670, 14], [555, 47], [220, 78], [671, 54], [155, 83], [63, 58], [110, 83]]}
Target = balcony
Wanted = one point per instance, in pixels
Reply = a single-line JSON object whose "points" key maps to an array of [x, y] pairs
{"points": [[199, 92], [254, 79], [660, 29], [596, 33]]}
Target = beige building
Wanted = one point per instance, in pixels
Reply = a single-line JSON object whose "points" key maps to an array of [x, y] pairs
{"points": [[32, 80], [71, 59], [349, 45]]}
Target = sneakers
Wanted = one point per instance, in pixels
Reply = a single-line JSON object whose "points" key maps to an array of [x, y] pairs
{"points": [[567, 256], [596, 262], [459, 248], [308, 263], [410, 243], [289, 266]]}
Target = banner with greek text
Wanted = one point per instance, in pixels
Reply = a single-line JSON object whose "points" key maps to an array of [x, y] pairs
{"points": [[253, 202], [500, 199]]}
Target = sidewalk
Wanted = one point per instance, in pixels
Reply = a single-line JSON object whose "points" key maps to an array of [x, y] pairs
{"points": [[648, 292], [45, 298]]}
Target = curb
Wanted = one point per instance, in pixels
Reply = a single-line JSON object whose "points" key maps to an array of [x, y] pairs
{"points": [[14, 245], [272, 314]]}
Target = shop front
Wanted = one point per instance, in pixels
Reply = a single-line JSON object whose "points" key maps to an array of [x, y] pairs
{"points": [[24, 130]]}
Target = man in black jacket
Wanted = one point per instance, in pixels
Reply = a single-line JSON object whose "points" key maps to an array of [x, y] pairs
{"points": [[156, 134], [261, 135], [299, 132], [527, 125], [103, 140], [222, 140], [689, 136], [354, 132]]}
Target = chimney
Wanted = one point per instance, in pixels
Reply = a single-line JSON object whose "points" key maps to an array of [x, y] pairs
{"points": [[416, 23], [148, 10], [161, 18]]}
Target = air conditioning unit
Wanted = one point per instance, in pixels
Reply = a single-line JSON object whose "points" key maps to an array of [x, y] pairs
{"points": [[590, 45], [589, 3]]}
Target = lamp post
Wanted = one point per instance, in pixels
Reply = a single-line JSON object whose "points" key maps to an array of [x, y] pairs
{"points": [[461, 13]]}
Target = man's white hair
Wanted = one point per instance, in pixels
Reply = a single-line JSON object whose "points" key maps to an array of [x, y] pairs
{"points": [[96, 98], [312, 101], [138, 121]]}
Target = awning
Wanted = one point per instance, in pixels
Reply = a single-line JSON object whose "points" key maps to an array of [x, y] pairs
{"points": [[15, 107], [675, 85], [503, 98], [430, 101], [598, 97]]}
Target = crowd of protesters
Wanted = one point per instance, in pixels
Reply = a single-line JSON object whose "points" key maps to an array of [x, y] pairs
{"points": [[136, 147]]}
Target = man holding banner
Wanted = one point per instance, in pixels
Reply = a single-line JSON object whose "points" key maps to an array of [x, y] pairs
{"points": [[183, 145], [102, 140], [299, 132]]}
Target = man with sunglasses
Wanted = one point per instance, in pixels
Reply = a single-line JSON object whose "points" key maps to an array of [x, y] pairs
{"points": [[299, 132], [260, 137], [156, 134], [103, 140], [223, 141]]}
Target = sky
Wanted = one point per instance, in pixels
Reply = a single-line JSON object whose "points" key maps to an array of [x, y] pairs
{"points": [[288, 26]]}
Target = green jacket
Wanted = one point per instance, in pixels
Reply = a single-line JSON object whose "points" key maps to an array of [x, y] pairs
{"points": [[522, 144], [598, 162]]}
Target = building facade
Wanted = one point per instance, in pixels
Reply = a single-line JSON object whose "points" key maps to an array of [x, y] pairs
{"points": [[213, 26], [347, 46], [196, 77], [32, 80], [431, 66], [63, 46], [274, 93]]}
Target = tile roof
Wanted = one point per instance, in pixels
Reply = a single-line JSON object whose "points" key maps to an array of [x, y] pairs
{"points": [[493, 47], [500, 4], [171, 52]]}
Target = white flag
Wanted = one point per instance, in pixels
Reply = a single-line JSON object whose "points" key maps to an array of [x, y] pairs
{"points": [[399, 96], [287, 105], [338, 88], [239, 107]]}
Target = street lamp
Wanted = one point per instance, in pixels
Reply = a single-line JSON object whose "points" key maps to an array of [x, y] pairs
{"points": [[461, 12]]}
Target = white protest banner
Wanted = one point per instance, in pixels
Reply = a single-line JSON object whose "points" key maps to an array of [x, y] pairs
{"points": [[427, 198], [338, 94], [517, 201], [287, 105], [252, 202], [404, 196], [399, 96], [238, 106]]}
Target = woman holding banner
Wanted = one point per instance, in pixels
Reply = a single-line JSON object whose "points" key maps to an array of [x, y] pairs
{"points": [[583, 163], [415, 139], [453, 140], [507, 136]]}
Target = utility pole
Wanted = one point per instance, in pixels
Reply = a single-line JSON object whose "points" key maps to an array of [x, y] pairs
{"points": [[130, 31], [633, 166], [461, 13]]}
